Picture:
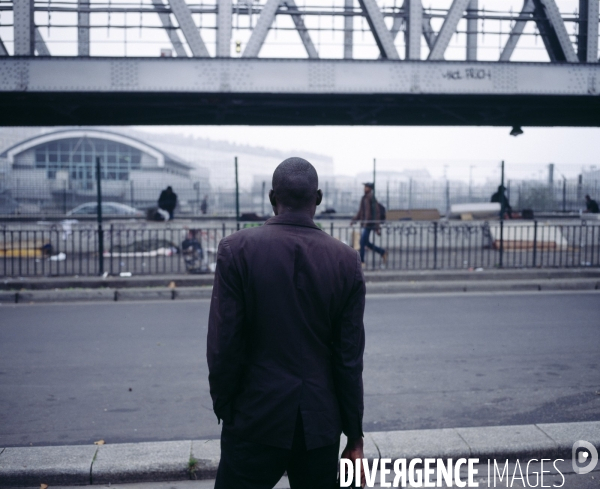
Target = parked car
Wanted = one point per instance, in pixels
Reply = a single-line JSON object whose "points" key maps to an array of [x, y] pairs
{"points": [[108, 209]]}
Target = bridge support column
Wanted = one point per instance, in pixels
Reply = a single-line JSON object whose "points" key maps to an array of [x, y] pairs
{"points": [[348, 28], [83, 28], [414, 28], [224, 16], [472, 30], [587, 40], [24, 28]]}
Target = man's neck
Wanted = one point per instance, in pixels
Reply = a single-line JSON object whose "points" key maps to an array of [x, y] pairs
{"points": [[287, 211]]}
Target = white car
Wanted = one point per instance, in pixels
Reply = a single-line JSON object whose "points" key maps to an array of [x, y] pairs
{"points": [[108, 209]]}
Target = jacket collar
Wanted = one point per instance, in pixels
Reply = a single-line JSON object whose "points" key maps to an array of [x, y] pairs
{"points": [[293, 219]]}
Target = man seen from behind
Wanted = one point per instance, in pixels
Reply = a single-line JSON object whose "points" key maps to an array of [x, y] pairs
{"points": [[285, 344]]}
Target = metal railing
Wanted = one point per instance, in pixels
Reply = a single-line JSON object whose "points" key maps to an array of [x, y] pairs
{"points": [[72, 249]]}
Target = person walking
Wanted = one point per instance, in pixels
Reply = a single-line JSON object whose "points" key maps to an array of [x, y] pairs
{"points": [[204, 205], [591, 205], [369, 215], [285, 344], [500, 197], [168, 201]]}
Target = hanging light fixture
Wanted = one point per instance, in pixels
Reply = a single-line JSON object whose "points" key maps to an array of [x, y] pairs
{"points": [[516, 131]]}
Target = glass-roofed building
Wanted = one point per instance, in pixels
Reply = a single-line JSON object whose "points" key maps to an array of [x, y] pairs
{"points": [[61, 165]]}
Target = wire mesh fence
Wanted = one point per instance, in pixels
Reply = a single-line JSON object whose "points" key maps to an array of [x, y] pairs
{"points": [[194, 200], [73, 250]]}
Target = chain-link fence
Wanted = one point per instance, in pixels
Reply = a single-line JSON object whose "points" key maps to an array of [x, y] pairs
{"points": [[194, 200]]}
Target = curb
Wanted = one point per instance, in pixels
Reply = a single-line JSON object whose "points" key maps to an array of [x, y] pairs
{"points": [[199, 459], [184, 281], [374, 287]]}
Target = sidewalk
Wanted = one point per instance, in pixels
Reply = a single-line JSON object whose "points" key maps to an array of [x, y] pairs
{"points": [[198, 459], [177, 287]]}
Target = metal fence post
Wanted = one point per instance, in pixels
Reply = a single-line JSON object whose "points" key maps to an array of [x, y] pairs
{"points": [[99, 216], [111, 247], [237, 193], [65, 199], [501, 242], [435, 226], [535, 225]]}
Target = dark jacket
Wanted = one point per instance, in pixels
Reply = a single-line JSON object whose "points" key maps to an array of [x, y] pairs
{"points": [[368, 211], [167, 201], [286, 334]]}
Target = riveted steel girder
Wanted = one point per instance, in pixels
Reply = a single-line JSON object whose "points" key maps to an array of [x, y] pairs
{"points": [[83, 28], [448, 29], [382, 35], [24, 29], [517, 29], [472, 30], [302, 30], [224, 28], [587, 39], [189, 28], [165, 20], [414, 28], [348, 29], [40, 45], [553, 31], [214, 75]]}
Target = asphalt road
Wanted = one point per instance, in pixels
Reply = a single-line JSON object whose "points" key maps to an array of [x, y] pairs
{"points": [[127, 372]]}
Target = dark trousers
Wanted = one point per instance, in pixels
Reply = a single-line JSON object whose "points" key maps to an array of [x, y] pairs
{"points": [[249, 465], [364, 242]]}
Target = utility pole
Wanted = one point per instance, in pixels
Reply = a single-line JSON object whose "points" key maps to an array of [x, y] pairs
{"points": [[502, 191], [501, 214], [387, 199], [237, 192], [471, 182], [374, 174], [447, 191], [99, 216]]}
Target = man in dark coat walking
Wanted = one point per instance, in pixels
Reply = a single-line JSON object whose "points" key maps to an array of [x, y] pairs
{"points": [[168, 201], [369, 216], [285, 344], [591, 205]]}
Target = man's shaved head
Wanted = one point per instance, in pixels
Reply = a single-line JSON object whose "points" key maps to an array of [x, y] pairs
{"points": [[295, 183]]}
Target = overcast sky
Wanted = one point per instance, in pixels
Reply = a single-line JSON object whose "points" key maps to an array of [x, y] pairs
{"points": [[396, 148]]}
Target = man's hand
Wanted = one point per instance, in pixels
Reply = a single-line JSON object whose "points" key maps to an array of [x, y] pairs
{"points": [[354, 451]]}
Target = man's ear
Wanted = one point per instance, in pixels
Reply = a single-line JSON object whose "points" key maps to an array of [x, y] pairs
{"points": [[272, 198], [319, 197]]}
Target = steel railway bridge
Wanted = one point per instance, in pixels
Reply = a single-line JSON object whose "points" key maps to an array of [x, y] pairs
{"points": [[233, 63]]}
